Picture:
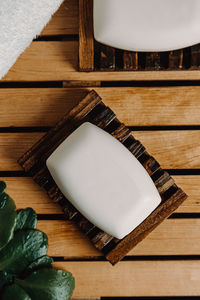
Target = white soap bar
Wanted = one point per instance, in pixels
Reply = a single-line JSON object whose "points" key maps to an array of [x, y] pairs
{"points": [[103, 180], [147, 25]]}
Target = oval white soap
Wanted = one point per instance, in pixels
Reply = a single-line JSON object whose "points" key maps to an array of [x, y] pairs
{"points": [[103, 180], [147, 25]]}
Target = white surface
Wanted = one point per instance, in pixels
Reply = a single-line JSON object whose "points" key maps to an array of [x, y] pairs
{"points": [[147, 25], [20, 22], [103, 180]]}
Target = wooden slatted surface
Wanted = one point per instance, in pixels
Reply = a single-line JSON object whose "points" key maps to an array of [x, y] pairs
{"points": [[64, 21], [143, 278], [165, 118], [58, 60], [149, 106], [176, 235]]}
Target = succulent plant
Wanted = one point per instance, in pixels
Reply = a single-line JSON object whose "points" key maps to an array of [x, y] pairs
{"points": [[26, 271]]}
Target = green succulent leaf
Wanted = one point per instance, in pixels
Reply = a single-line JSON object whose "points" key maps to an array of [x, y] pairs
{"points": [[2, 187], [48, 284], [42, 262], [23, 249], [26, 219], [5, 279], [14, 291], [8, 216]]}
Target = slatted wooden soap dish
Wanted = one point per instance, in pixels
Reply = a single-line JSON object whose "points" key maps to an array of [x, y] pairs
{"points": [[92, 109], [94, 56]]}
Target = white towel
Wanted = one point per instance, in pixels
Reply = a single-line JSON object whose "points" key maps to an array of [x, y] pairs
{"points": [[20, 22]]}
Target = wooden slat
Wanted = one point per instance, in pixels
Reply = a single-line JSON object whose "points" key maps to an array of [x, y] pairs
{"points": [[107, 58], [12, 146], [50, 58], [134, 106], [44, 61], [130, 60], [176, 59], [138, 278], [153, 61], [172, 237], [86, 40], [27, 193], [173, 149], [88, 298], [80, 84], [190, 185], [195, 56], [64, 21], [36, 107]]}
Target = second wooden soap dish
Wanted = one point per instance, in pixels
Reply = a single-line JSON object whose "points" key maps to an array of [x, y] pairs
{"points": [[94, 56], [93, 110]]}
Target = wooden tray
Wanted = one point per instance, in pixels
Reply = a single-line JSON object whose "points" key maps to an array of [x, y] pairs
{"points": [[94, 56], [92, 109]]}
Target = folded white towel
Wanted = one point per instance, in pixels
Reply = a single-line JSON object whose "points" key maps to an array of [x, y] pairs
{"points": [[20, 22]]}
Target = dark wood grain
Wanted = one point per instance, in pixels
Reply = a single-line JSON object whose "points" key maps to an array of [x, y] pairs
{"points": [[195, 57], [130, 60], [153, 61], [86, 40], [176, 60], [107, 58]]}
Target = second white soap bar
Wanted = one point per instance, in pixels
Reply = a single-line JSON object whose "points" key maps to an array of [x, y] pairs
{"points": [[147, 25], [103, 180]]}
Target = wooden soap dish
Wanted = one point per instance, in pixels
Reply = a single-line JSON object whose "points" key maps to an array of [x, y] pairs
{"points": [[93, 110], [94, 56]]}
